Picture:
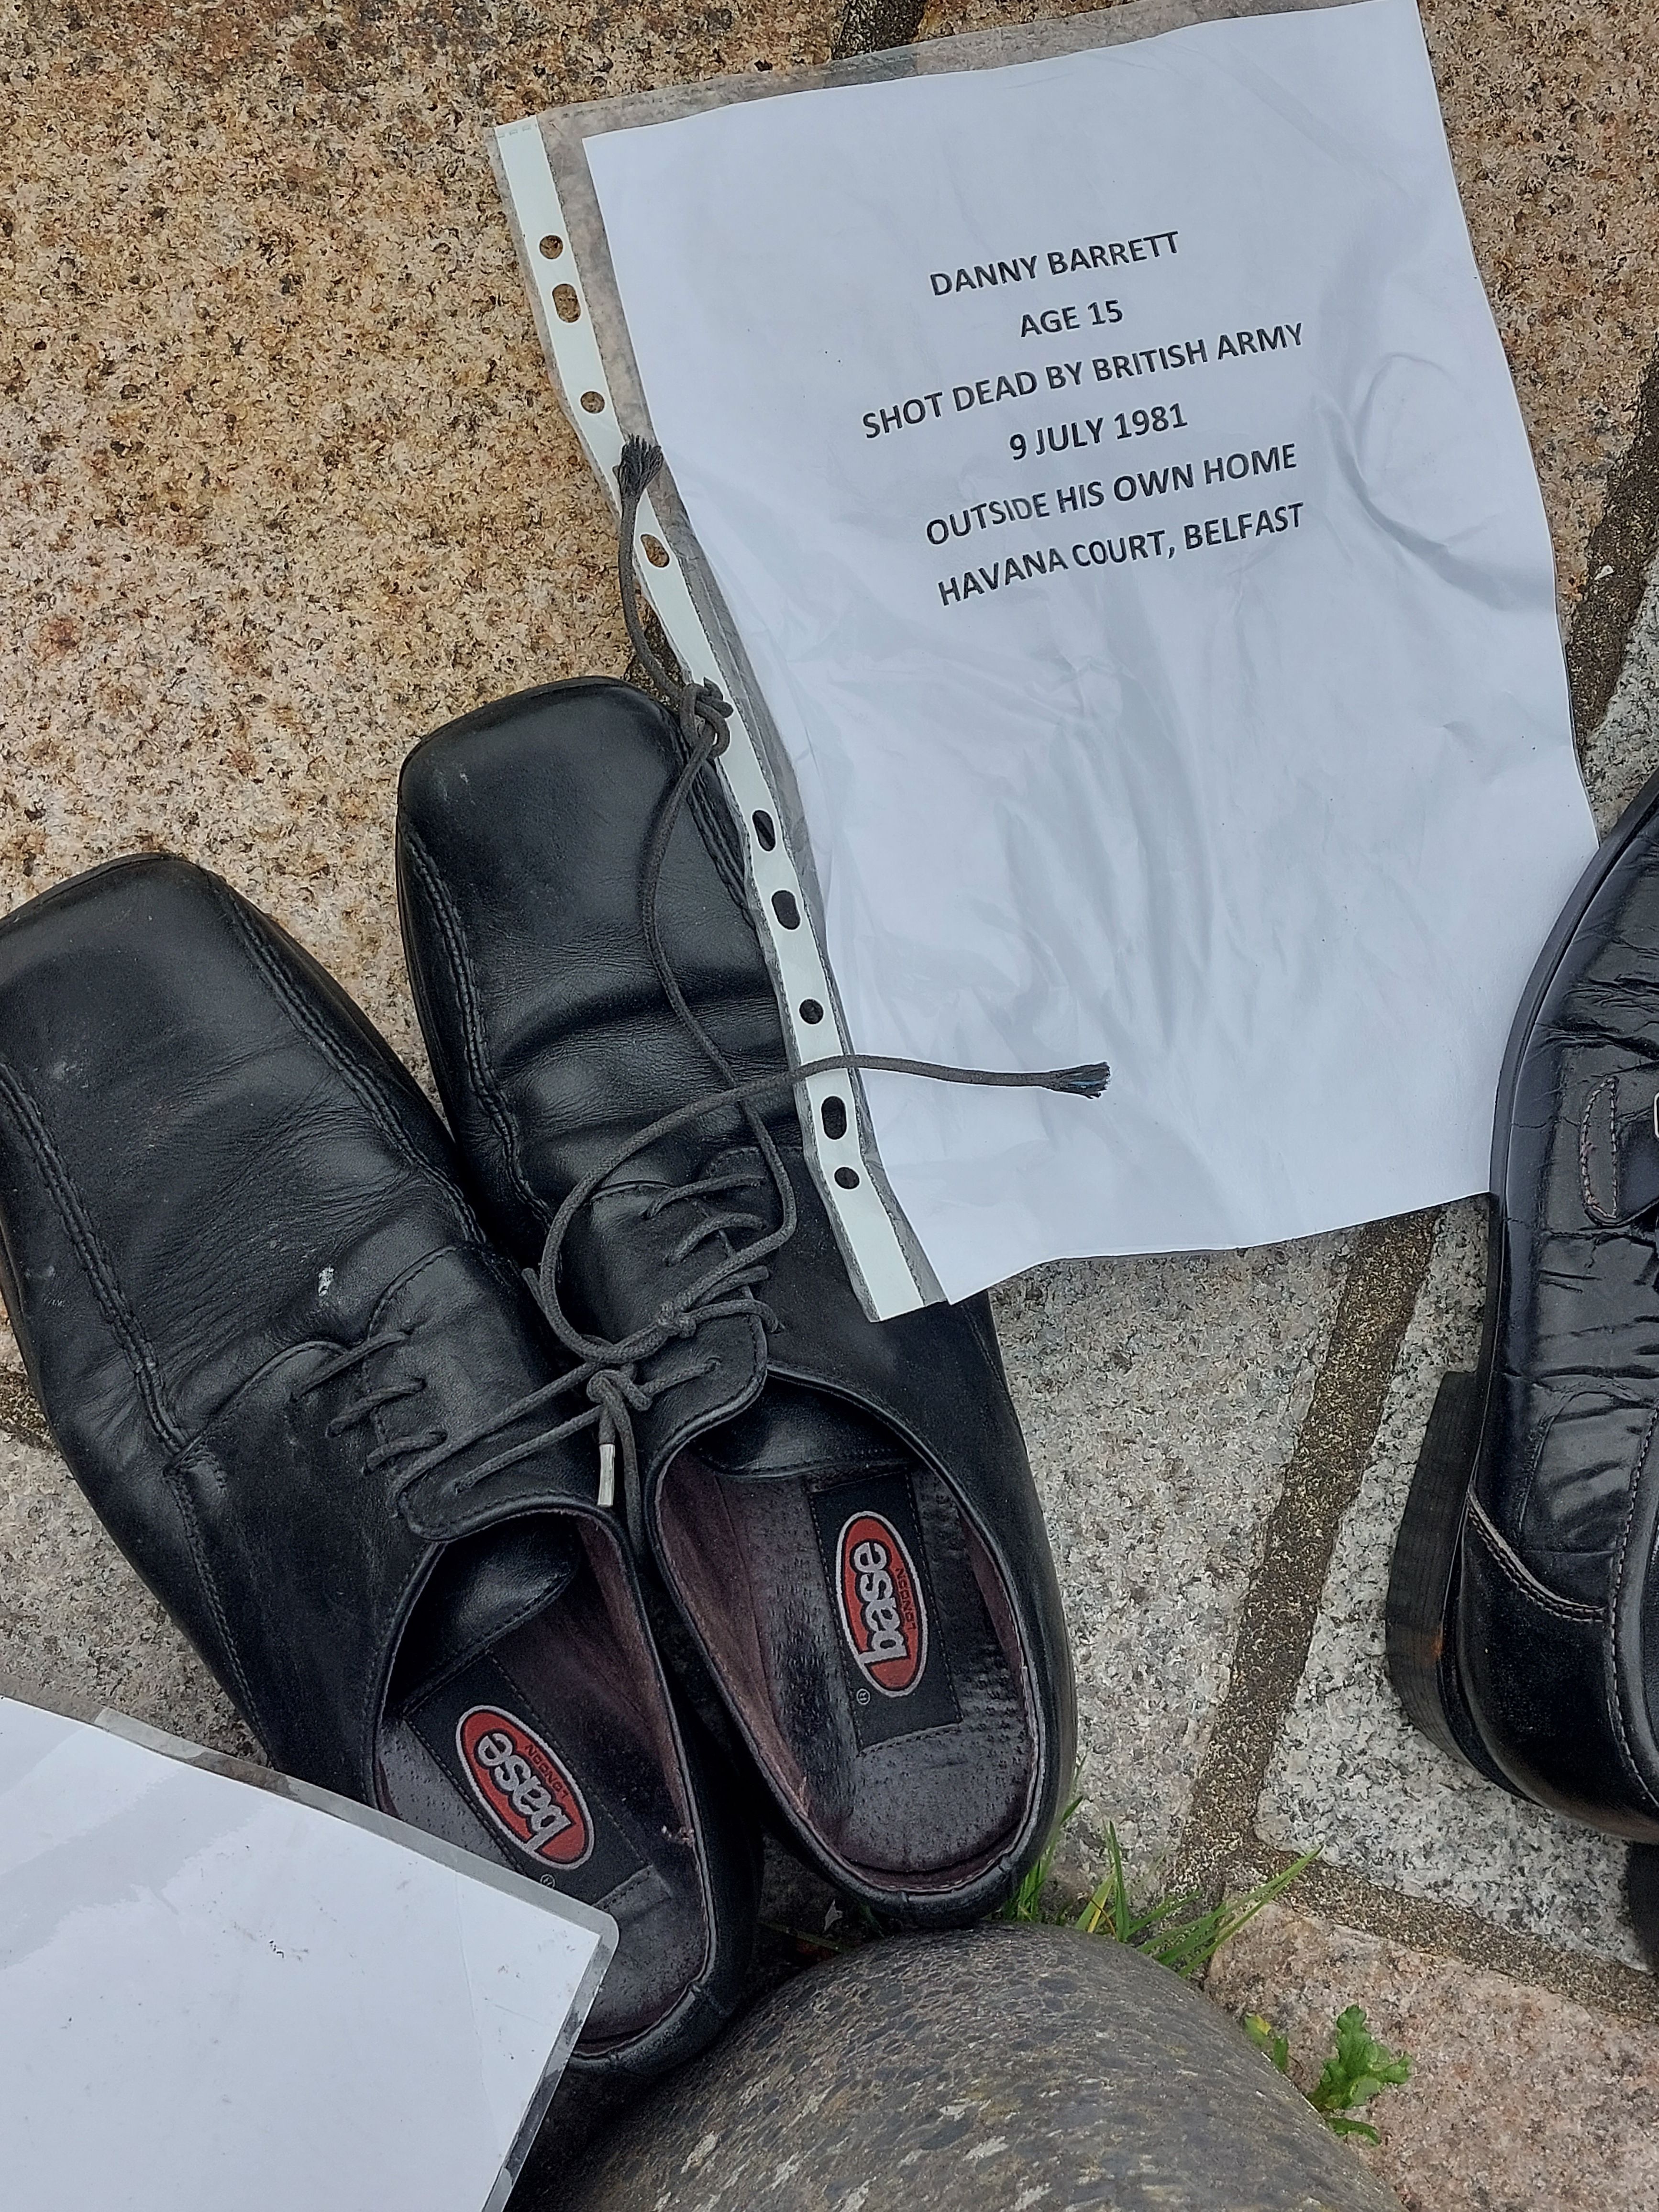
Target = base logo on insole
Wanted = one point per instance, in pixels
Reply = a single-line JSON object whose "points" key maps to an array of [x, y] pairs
{"points": [[524, 1787], [882, 1611]]}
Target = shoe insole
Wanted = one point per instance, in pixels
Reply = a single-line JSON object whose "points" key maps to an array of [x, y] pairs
{"points": [[544, 1752], [843, 1610]]}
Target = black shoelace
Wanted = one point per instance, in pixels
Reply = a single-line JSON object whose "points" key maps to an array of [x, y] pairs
{"points": [[607, 1370]]}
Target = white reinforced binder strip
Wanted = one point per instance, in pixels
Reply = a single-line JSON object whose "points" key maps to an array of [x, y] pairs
{"points": [[1097, 479], [887, 1268]]}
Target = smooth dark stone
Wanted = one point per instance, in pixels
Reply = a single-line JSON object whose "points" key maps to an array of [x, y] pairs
{"points": [[975, 2072]]}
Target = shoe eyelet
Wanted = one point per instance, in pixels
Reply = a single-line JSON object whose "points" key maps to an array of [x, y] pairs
{"points": [[847, 1178], [784, 906], [810, 1010]]}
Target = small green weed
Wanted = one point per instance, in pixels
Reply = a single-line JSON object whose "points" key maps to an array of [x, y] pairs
{"points": [[1026, 1903], [1185, 1939], [1261, 2033], [1172, 1931], [1359, 2069]]}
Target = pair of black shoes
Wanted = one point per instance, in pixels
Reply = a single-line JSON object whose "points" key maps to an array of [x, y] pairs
{"points": [[438, 1451], [1523, 1607]]}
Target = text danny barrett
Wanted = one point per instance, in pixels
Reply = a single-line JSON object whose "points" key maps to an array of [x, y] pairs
{"points": [[1053, 261]]}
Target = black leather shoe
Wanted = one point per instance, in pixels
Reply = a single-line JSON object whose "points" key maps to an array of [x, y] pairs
{"points": [[1524, 1608], [842, 1510], [324, 1421]]}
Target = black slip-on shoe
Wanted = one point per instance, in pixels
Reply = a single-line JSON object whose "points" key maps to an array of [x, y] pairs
{"points": [[1524, 1608], [842, 1510], [324, 1422]]}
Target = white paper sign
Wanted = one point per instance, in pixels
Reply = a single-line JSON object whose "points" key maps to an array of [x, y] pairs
{"points": [[214, 1998], [1112, 470]]}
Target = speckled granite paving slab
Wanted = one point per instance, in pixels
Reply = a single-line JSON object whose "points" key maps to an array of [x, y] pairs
{"points": [[1161, 1399]]}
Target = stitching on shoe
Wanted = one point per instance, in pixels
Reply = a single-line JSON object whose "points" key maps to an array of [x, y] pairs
{"points": [[187, 1504], [284, 990], [100, 1273], [472, 1248], [719, 831], [525, 1614], [715, 827], [1611, 1661], [494, 1264], [1593, 1205], [146, 1370], [1524, 1581], [1616, 1697], [1541, 1443], [839, 1466], [473, 1041], [1617, 1580]]}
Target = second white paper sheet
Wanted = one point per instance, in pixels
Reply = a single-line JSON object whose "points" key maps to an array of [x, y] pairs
{"points": [[1111, 467]]}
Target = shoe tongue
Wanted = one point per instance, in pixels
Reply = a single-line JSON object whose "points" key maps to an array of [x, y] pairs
{"points": [[790, 1432], [481, 1588]]}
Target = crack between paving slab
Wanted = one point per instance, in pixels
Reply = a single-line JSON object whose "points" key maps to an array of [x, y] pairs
{"points": [[1281, 1607], [1453, 1931]]}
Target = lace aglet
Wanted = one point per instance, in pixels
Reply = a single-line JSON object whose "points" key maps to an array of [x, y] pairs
{"points": [[607, 1475], [639, 464], [1086, 1082]]}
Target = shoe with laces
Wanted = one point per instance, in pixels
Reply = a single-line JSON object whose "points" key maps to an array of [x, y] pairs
{"points": [[841, 1510], [325, 1423]]}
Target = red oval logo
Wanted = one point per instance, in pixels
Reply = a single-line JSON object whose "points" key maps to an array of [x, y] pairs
{"points": [[524, 1787], [881, 1608]]}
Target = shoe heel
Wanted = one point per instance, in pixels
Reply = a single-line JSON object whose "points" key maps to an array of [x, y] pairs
{"points": [[1642, 1895], [1422, 1602]]}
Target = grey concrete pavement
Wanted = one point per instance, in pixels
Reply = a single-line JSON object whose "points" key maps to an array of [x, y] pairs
{"points": [[1161, 1399]]}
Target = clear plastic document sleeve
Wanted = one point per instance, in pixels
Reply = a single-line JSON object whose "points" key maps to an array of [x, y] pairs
{"points": [[1094, 471]]}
